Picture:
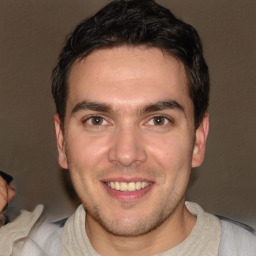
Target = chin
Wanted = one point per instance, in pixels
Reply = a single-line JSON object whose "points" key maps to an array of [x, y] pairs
{"points": [[132, 224]]}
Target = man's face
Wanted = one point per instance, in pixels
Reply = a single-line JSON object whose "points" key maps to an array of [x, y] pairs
{"points": [[129, 139]]}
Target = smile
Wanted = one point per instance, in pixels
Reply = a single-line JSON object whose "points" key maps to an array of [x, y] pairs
{"points": [[127, 186]]}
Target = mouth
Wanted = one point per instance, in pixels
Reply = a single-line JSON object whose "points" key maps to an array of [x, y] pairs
{"points": [[128, 186], [127, 190]]}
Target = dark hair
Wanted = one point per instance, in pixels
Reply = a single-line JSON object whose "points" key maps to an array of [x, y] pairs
{"points": [[134, 23]]}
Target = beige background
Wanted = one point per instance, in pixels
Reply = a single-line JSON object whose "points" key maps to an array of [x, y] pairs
{"points": [[31, 35]]}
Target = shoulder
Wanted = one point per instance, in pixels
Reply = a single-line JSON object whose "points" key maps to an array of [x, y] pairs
{"points": [[30, 235], [18, 229], [43, 238], [236, 239]]}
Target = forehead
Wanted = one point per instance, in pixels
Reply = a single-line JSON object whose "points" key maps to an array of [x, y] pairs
{"points": [[128, 76]]}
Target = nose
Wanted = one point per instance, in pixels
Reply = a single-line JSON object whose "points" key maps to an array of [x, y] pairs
{"points": [[127, 148]]}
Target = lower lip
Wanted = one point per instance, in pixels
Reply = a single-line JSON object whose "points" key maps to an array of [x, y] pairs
{"points": [[127, 195]]}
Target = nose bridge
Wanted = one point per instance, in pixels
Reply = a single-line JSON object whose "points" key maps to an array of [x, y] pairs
{"points": [[127, 147]]}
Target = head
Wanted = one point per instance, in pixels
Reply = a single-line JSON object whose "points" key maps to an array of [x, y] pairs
{"points": [[135, 23], [131, 91]]}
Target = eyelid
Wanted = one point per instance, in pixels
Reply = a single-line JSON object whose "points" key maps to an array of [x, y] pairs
{"points": [[168, 118], [87, 118]]}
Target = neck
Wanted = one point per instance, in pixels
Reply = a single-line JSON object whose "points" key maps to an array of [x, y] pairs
{"points": [[166, 236]]}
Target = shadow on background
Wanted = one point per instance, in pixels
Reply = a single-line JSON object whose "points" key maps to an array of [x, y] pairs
{"points": [[67, 183], [194, 176]]}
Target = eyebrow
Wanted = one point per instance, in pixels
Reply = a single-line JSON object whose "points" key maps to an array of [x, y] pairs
{"points": [[89, 105], [105, 108], [162, 105]]}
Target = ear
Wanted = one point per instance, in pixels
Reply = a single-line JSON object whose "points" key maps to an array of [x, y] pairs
{"points": [[60, 142], [200, 142]]}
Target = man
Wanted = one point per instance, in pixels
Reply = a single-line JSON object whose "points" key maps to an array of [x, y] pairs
{"points": [[7, 194], [131, 90]]}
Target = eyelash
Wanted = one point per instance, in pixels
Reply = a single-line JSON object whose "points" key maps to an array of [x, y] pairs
{"points": [[168, 119], [93, 116]]}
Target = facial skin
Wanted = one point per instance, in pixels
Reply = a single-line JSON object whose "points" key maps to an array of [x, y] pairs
{"points": [[129, 120]]}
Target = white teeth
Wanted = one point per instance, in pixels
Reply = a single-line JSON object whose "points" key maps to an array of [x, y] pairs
{"points": [[117, 185], [138, 185], [112, 185], [123, 186], [131, 186]]}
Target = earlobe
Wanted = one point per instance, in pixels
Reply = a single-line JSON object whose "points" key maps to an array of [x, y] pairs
{"points": [[60, 142], [200, 142]]}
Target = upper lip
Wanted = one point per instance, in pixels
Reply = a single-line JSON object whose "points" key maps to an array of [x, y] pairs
{"points": [[127, 179]]}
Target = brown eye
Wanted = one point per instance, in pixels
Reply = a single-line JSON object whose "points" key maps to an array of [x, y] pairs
{"points": [[159, 120], [97, 120]]}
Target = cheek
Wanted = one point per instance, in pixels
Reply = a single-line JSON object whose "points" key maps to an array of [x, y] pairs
{"points": [[174, 155], [86, 152], [86, 156], [171, 152]]}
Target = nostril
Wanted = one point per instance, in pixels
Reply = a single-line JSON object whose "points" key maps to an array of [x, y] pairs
{"points": [[127, 156]]}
